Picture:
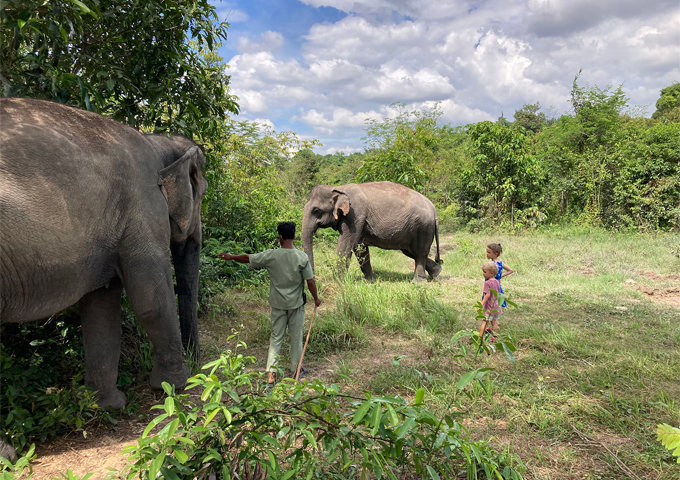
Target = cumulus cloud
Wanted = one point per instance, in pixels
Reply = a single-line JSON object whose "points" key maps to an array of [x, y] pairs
{"points": [[477, 59]]}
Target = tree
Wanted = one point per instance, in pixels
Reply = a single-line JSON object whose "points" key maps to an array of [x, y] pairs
{"points": [[504, 175], [597, 114], [401, 149], [129, 59], [530, 118], [668, 106]]}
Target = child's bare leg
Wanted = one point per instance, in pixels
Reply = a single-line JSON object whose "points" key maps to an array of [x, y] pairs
{"points": [[495, 327], [481, 330]]}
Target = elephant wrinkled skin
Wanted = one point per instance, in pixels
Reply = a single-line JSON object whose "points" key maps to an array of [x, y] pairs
{"points": [[380, 214], [89, 207]]}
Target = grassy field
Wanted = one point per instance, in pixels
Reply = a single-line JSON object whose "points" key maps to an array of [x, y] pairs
{"points": [[596, 329]]}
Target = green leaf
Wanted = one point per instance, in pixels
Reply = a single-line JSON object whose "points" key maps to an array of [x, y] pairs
{"points": [[433, 474], [405, 427], [181, 456], [394, 419], [461, 334], [167, 388], [466, 379], [156, 464], [375, 420], [420, 394], [670, 438], [289, 474], [361, 412], [153, 423], [169, 406]]}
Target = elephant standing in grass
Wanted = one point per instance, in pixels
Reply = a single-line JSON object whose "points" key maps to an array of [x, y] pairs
{"points": [[89, 207], [381, 214]]}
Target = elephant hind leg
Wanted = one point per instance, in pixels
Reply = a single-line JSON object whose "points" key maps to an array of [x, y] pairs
{"points": [[432, 267], [420, 268], [101, 319], [364, 258]]}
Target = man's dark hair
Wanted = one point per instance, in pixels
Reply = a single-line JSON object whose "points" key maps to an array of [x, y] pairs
{"points": [[286, 230]]}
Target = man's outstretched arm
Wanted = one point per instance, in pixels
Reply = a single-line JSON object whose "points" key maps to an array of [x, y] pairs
{"points": [[245, 258], [311, 284]]}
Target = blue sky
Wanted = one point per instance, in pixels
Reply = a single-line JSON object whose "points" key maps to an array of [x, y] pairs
{"points": [[322, 67]]}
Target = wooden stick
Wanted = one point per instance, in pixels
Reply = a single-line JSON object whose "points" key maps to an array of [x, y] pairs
{"points": [[622, 466], [297, 372]]}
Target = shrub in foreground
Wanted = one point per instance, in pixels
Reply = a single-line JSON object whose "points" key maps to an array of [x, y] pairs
{"points": [[233, 429]]}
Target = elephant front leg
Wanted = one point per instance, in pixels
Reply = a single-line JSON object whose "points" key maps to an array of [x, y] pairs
{"points": [[148, 285], [344, 251], [100, 316], [364, 258]]}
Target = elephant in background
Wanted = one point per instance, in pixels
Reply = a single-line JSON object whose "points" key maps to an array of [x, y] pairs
{"points": [[380, 214], [89, 207]]}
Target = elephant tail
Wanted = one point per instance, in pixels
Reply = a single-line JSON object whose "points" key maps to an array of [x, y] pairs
{"points": [[437, 258]]}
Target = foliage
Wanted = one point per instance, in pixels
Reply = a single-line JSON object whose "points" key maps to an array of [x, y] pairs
{"points": [[402, 148], [41, 391], [669, 438], [323, 432], [9, 471], [668, 105], [41, 395], [530, 118], [504, 175], [131, 60]]}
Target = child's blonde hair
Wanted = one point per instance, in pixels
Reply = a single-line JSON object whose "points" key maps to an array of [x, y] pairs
{"points": [[490, 267], [495, 248]]}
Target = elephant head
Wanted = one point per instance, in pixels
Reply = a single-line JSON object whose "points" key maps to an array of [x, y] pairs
{"points": [[324, 209], [183, 186]]}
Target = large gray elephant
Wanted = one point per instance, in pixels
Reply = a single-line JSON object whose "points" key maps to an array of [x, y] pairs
{"points": [[380, 214], [89, 207]]}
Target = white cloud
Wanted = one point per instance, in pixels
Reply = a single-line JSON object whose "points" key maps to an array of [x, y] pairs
{"points": [[477, 59], [268, 41]]}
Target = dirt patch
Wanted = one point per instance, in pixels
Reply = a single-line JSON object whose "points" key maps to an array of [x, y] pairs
{"points": [[667, 296], [587, 271], [95, 454], [657, 277]]}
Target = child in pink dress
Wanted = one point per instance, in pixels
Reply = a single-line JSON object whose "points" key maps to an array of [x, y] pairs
{"points": [[492, 310]]}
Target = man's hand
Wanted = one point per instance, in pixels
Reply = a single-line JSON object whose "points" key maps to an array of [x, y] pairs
{"points": [[317, 301], [226, 256]]}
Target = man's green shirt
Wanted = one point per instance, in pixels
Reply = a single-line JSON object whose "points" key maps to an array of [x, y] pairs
{"points": [[288, 269]]}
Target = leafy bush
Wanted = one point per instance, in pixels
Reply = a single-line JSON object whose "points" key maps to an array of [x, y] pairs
{"points": [[669, 438], [303, 431], [41, 390]]}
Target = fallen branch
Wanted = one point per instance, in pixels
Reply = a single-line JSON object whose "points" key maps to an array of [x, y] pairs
{"points": [[622, 466]]}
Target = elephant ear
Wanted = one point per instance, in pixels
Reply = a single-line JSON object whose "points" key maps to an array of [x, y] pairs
{"points": [[175, 182], [342, 204]]}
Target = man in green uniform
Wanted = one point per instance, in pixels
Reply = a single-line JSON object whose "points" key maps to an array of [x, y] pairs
{"points": [[288, 269]]}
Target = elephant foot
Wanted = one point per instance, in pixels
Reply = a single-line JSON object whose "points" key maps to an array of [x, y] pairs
{"points": [[435, 270], [114, 399], [177, 377], [7, 451], [419, 279], [370, 279]]}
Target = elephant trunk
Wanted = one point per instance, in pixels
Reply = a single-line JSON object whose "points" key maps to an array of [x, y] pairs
{"points": [[186, 258], [308, 230]]}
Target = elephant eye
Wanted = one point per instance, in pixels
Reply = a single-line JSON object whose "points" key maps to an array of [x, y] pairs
{"points": [[316, 210]]}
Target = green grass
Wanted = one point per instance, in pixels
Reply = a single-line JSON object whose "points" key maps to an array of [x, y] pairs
{"points": [[594, 355]]}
